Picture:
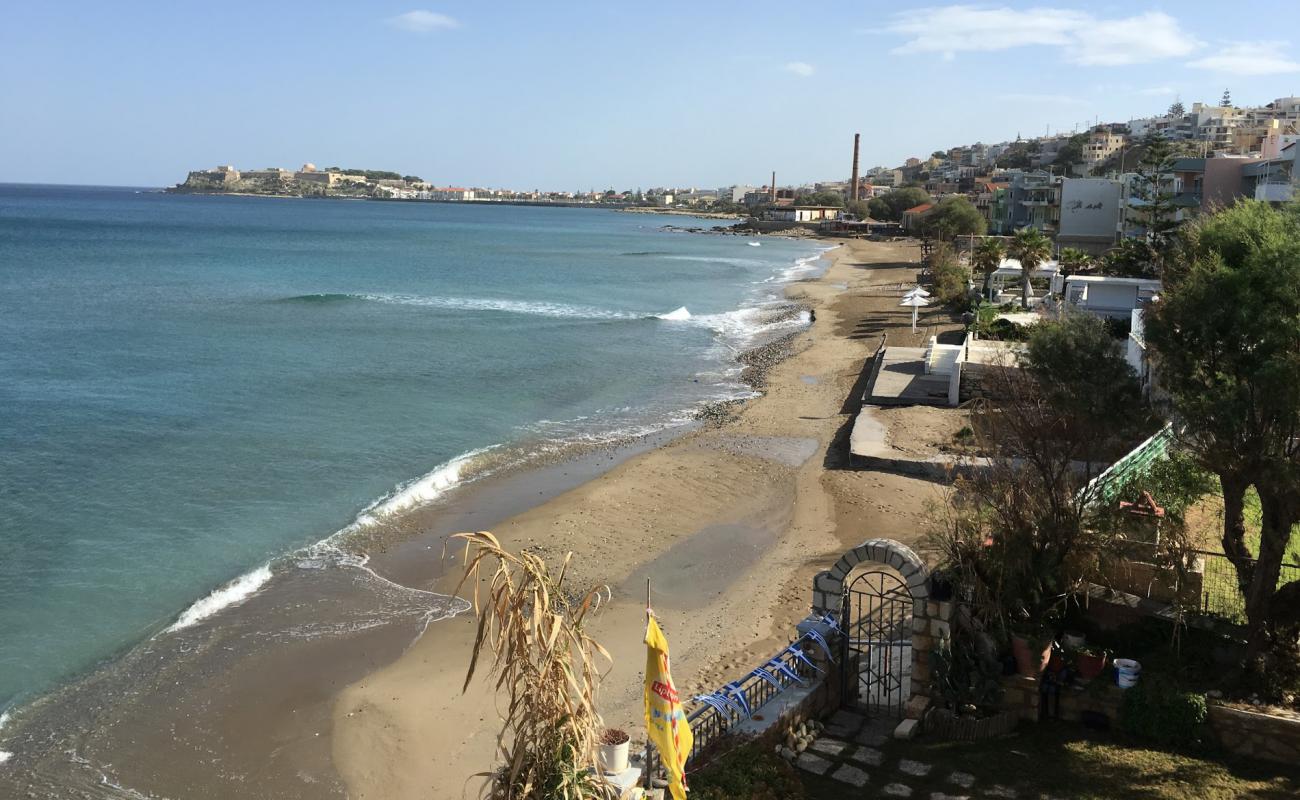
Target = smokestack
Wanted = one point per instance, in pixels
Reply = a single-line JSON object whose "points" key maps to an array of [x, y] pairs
{"points": [[853, 182], [773, 186]]}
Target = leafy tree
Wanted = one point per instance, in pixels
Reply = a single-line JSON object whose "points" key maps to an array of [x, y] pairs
{"points": [[413, 179], [1176, 109], [1157, 214], [819, 199], [954, 216], [939, 154], [1074, 260], [891, 205], [1131, 258], [986, 257], [1226, 339], [1031, 248], [1025, 533], [1071, 153], [1081, 371], [1016, 156], [859, 208], [950, 277]]}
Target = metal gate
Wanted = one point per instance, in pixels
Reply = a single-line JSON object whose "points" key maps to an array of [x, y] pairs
{"points": [[877, 625]]}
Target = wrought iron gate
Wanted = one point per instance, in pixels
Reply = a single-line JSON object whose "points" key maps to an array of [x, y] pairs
{"points": [[877, 625]]}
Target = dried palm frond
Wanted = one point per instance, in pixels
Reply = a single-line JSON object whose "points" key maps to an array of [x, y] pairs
{"points": [[545, 665]]}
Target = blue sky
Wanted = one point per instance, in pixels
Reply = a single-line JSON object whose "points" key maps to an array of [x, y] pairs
{"points": [[595, 94]]}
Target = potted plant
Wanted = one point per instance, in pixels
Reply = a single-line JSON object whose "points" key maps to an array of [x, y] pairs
{"points": [[1090, 660], [613, 751], [1032, 649]]}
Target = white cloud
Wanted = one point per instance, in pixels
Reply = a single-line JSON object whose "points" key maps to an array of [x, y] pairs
{"points": [[1083, 38], [1250, 58], [1153, 36], [421, 21], [801, 69]]}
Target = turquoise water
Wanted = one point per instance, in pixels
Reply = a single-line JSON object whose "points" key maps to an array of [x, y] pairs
{"points": [[190, 386]]}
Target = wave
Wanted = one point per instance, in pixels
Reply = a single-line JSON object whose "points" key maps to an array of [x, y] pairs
{"points": [[233, 593], [5, 755], [676, 315], [642, 253], [422, 490], [528, 307], [731, 260], [754, 244]]}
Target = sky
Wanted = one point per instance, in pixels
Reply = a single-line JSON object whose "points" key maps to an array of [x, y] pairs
{"points": [[592, 95]]}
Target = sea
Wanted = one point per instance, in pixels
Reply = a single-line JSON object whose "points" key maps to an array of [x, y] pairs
{"points": [[199, 393]]}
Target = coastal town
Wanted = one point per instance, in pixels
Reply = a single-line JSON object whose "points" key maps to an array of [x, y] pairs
{"points": [[880, 464], [1082, 187]]}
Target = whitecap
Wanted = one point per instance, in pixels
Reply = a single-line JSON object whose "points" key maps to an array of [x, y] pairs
{"points": [[754, 244], [534, 308], [231, 594], [421, 491], [676, 315]]}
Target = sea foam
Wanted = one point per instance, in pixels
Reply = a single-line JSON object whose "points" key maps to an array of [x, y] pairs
{"points": [[676, 315], [529, 307], [233, 593]]}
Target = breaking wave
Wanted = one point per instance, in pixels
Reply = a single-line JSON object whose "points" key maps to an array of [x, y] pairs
{"points": [[231, 594]]}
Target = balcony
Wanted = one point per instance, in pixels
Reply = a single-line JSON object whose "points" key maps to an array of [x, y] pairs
{"points": [[1274, 192]]}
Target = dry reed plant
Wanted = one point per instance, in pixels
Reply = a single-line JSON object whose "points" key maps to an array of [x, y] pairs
{"points": [[546, 666]]}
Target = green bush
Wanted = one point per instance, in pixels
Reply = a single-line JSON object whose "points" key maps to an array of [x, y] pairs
{"points": [[749, 772], [1162, 712]]}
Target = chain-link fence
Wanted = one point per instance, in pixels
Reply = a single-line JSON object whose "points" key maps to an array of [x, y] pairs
{"points": [[1220, 593]]}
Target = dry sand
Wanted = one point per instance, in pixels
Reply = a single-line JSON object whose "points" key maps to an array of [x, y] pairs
{"points": [[731, 522]]}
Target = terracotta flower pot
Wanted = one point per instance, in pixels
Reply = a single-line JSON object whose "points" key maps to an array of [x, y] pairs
{"points": [[1090, 665], [1031, 659]]}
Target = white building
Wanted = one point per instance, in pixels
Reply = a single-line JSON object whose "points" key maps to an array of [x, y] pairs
{"points": [[1104, 295], [451, 193], [734, 194]]}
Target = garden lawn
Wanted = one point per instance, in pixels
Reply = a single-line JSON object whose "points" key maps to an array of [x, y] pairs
{"points": [[1066, 761]]}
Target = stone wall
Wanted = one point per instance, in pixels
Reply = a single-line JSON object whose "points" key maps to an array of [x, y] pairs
{"points": [[1255, 735]]}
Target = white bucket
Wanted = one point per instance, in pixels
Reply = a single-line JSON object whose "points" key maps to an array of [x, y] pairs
{"points": [[1127, 672]]}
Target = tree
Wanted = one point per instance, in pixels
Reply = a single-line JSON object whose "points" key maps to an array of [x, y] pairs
{"points": [[891, 205], [1226, 340], [1025, 533], [954, 216], [1071, 153], [859, 208], [819, 199], [1226, 102], [1074, 260], [1131, 258], [1081, 372], [986, 257], [951, 279], [1031, 248], [1176, 109], [1154, 184], [939, 155]]}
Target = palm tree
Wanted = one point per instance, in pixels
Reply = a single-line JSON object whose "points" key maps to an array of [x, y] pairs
{"points": [[1031, 248], [986, 257], [1074, 260]]}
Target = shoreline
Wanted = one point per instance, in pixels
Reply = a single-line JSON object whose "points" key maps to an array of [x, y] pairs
{"points": [[360, 694]]}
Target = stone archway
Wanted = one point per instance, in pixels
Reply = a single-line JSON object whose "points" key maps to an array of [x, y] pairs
{"points": [[929, 620]]}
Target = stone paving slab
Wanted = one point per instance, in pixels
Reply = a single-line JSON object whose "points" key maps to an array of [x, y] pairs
{"points": [[850, 775], [827, 746], [898, 790], [872, 738], [812, 763], [869, 756], [916, 769], [998, 790], [943, 796], [963, 779]]}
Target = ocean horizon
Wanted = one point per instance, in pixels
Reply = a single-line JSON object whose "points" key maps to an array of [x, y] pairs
{"points": [[203, 391]]}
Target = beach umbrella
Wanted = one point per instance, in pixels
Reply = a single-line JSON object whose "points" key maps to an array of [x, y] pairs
{"points": [[915, 301], [917, 292]]}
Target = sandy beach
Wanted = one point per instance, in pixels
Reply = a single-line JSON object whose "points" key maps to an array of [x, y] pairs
{"points": [[731, 522]]}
